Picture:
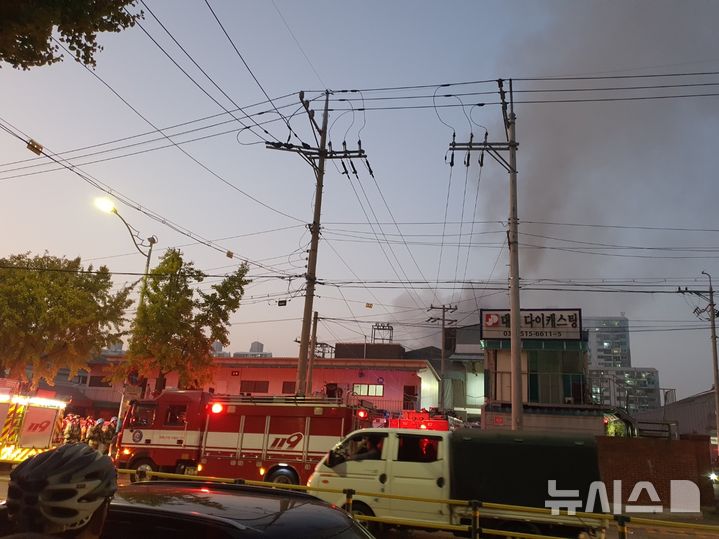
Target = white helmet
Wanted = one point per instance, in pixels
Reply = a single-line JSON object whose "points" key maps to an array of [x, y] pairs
{"points": [[60, 489]]}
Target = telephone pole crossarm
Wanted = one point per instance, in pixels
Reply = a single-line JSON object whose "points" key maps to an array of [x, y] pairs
{"points": [[492, 148]]}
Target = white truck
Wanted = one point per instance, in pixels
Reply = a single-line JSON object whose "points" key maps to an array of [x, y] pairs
{"points": [[466, 464]]}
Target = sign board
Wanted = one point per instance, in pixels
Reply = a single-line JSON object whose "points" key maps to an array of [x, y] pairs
{"points": [[37, 427], [537, 324]]}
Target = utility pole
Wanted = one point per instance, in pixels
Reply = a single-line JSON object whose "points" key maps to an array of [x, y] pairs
{"points": [[494, 149], [711, 309], [316, 157], [443, 364], [313, 354]]}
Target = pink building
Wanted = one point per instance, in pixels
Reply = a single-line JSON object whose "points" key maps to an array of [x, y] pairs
{"points": [[389, 384]]}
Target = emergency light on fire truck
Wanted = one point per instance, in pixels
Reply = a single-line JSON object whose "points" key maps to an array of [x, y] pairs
{"points": [[420, 420], [217, 408]]}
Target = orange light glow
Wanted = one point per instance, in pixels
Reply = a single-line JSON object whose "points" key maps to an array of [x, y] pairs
{"points": [[262, 472], [423, 426]]}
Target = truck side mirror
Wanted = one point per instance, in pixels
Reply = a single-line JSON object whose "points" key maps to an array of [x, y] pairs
{"points": [[333, 458]]}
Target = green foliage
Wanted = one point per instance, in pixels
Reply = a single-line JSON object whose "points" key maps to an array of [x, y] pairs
{"points": [[27, 26], [176, 325], [54, 314]]}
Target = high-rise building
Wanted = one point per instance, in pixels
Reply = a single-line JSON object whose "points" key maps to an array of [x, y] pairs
{"points": [[608, 341], [256, 347], [634, 388]]}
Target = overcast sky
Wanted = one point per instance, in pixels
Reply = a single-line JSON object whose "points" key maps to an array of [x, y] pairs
{"points": [[617, 191]]}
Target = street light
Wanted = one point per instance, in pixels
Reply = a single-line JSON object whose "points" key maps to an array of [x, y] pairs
{"points": [[108, 206], [715, 364]]}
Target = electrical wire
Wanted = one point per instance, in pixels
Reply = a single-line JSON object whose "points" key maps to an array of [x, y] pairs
{"points": [[191, 157], [126, 200]]}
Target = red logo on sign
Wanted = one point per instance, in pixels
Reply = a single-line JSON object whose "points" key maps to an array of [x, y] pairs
{"points": [[491, 319], [289, 442]]}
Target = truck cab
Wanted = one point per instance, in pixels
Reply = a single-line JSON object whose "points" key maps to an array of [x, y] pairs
{"points": [[406, 462]]}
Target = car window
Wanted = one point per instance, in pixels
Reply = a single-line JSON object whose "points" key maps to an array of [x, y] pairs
{"points": [[417, 448], [143, 415], [176, 415], [123, 524]]}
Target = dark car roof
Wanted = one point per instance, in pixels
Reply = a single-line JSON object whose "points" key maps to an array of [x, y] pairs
{"points": [[265, 512]]}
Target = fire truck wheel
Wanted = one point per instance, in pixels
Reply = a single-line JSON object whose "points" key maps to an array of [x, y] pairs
{"points": [[142, 465], [284, 476]]}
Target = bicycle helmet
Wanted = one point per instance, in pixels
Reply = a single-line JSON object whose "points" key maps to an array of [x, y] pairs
{"points": [[60, 489]]}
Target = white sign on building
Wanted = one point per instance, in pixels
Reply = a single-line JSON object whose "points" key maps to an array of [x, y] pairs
{"points": [[557, 324]]}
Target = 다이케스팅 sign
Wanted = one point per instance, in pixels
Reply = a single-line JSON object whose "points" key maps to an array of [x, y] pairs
{"points": [[558, 324]]}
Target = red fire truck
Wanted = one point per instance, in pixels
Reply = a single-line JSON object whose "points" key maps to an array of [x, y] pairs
{"points": [[276, 439]]}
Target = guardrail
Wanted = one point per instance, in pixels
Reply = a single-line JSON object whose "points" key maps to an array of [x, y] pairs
{"points": [[602, 521]]}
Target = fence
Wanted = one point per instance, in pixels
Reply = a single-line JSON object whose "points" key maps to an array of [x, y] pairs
{"points": [[475, 508]]}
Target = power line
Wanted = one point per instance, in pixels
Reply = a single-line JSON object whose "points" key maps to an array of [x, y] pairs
{"points": [[126, 200], [195, 160]]}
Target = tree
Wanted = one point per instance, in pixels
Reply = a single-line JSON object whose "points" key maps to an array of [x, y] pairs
{"points": [[26, 28], [176, 325], [55, 314]]}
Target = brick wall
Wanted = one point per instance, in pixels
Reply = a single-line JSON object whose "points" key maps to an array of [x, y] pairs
{"points": [[656, 460]]}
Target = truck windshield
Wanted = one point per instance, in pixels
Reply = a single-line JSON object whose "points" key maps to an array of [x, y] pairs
{"points": [[143, 415]]}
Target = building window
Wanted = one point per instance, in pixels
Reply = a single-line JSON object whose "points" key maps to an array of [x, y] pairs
{"points": [[81, 379], [99, 381], [254, 386], [369, 390], [288, 388]]}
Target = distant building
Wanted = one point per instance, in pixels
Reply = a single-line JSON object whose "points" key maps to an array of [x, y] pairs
{"points": [[608, 341], [217, 350], [692, 415], [257, 347], [635, 388]]}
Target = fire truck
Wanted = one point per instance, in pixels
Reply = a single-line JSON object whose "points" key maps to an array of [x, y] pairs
{"points": [[275, 439], [30, 425]]}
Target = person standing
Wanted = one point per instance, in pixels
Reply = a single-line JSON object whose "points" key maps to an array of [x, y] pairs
{"points": [[72, 432], [94, 434]]}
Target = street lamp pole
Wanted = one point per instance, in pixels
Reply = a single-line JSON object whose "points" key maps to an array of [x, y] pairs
{"points": [[106, 205], [715, 363]]}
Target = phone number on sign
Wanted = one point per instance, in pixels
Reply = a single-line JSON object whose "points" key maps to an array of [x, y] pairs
{"points": [[535, 333]]}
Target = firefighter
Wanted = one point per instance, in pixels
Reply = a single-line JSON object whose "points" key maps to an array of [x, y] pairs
{"points": [[94, 434], [107, 436], [72, 432], [85, 426], [115, 429]]}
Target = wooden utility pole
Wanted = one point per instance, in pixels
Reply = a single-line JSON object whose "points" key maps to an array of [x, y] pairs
{"points": [[316, 157], [494, 149], [313, 354], [711, 310], [443, 364]]}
